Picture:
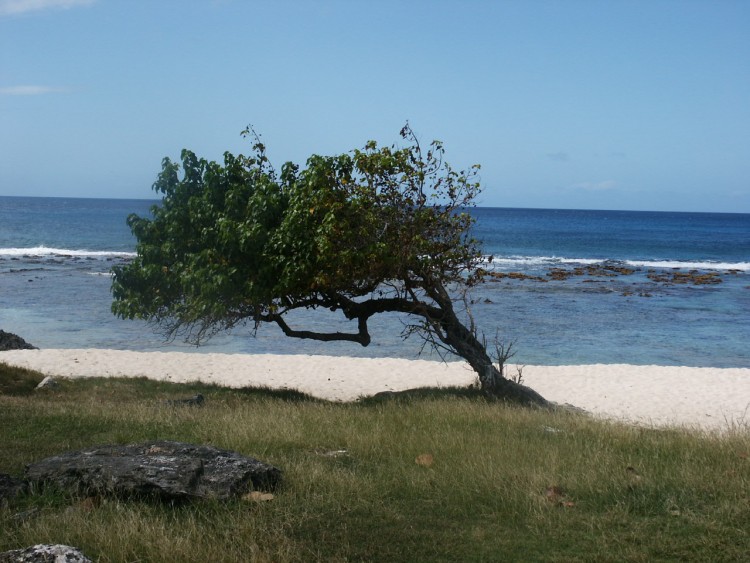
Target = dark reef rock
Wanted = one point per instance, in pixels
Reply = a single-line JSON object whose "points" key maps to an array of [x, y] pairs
{"points": [[161, 469], [693, 277], [10, 341], [44, 553]]}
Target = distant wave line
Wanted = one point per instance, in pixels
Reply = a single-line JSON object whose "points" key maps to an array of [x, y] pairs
{"points": [[497, 261], [43, 251], [708, 265], [548, 261]]}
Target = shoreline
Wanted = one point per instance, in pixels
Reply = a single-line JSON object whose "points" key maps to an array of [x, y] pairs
{"points": [[710, 399]]}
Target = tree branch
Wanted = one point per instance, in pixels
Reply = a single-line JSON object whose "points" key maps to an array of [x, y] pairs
{"points": [[362, 337], [362, 311]]}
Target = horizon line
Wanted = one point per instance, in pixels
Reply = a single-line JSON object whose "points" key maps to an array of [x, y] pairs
{"points": [[156, 200]]}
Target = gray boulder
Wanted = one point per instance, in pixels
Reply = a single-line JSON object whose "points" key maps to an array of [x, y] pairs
{"points": [[47, 383], [10, 341], [43, 553], [10, 487], [161, 469], [194, 401]]}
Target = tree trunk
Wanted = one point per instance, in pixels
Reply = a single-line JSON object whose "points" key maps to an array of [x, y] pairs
{"points": [[492, 382], [500, 386], [442, 324], [466, 344]]}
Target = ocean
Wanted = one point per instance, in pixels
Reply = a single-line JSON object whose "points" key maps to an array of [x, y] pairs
{"points": [[565, 286]]}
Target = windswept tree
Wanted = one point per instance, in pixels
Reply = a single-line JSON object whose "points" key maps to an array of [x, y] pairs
{"points": [[383, 229]]}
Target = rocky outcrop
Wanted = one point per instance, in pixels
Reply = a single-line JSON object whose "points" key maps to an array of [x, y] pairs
{"points": [[161, 469], [9, 341], [44, 553]]}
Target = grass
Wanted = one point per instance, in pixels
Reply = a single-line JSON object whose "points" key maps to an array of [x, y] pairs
{"points": [[497, 484]]}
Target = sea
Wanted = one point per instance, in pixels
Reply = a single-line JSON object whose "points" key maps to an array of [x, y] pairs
{"points": [[563, 286]]}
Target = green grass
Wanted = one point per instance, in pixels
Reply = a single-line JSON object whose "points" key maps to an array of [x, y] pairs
{"points": [[483, 498], [18, 381]]}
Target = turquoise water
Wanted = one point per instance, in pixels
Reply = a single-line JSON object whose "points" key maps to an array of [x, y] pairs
{"points": [[56, 254]]}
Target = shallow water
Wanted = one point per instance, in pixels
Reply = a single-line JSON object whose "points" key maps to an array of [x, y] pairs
{"points": [[56, 254]]}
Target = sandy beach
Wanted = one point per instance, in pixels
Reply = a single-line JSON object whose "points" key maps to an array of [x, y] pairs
{"points": [[703, 398]]}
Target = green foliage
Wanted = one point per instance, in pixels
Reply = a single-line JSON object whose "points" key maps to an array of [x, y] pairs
{"points": [[382, 229], [236, 241]]}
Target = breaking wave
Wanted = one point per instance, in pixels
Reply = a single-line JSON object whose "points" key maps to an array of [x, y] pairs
{"points": [[556, 261], [46, 252]]}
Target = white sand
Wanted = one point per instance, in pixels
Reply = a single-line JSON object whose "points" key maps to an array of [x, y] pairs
{"points": [[703, 398]]}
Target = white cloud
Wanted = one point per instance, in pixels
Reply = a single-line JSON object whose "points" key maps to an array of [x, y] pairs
{"points": [[28, 90], [14, 7], [596, 186]]}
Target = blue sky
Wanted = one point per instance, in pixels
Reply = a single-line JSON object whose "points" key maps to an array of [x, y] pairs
{"points": [[640, 105]]}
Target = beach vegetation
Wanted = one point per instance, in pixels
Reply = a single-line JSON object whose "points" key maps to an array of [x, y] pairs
{"points": [[429, 475], [373, 231]]}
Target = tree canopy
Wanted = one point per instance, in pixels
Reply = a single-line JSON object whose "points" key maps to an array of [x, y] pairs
{"points": [[381, 229]]}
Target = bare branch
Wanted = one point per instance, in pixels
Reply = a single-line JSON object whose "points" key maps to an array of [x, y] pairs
{"points": [[362, 337]]}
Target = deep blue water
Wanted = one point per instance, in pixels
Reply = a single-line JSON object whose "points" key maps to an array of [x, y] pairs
{"points": [[56, 254], [704, 239]]}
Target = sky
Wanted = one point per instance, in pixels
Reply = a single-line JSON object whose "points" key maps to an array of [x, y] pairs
{"points": [[577, 104]]}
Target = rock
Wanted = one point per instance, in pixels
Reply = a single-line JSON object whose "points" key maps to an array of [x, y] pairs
{"points": [[194, 401], [257, 496], [161, 469], [47, 383], [10, 487], [26, 515], [9, 341], [44, 553]]}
